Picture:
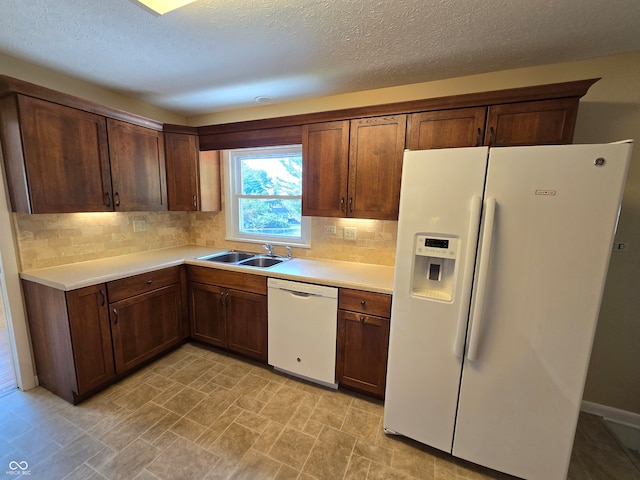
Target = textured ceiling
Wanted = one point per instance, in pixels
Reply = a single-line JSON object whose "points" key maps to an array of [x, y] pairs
{"points": [[215, 55]]}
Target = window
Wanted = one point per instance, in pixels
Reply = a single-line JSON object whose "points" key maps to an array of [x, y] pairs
{"points": [[264, 195]]}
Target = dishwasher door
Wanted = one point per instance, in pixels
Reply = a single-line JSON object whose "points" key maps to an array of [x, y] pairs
{"points": [[302, 329]]}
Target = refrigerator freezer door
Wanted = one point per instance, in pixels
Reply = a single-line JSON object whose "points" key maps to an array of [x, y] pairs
{"points": [[440, 197], [555, 217]]}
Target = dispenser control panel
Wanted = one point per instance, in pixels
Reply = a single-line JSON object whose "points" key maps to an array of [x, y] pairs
{"points": [[440, 247]]}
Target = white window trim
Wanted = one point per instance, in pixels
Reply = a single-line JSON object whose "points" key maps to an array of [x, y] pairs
{"points": [[231, 214]]}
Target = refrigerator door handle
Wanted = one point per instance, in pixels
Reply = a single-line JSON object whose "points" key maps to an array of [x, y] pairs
{"points": [[483, 271], [467, 279]]}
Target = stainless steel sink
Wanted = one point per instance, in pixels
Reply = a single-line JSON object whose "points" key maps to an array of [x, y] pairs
{"points": [[262, 262], [246, 259], [229, 257]]}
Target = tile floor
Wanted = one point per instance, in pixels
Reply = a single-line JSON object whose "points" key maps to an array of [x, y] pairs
{"points": [[199, 414]]}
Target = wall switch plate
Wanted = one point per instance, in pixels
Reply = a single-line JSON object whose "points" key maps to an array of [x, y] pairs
{"points": [[139, 226], [330, 229], [350, 233]]}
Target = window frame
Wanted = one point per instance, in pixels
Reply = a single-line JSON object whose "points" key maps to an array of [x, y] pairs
{"points": [[232, 201]]}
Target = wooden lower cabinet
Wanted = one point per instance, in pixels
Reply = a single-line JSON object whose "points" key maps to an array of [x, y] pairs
{"points": [[229, 310], [85, 339], [363, 340], [71, 338], [145, 325]]}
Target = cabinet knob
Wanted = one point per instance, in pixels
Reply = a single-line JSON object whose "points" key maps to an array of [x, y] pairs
{"points": [[361, 319], [149, 282], [299, 360], [363, 303]]}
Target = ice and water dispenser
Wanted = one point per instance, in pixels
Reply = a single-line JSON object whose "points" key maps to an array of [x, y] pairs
{"points": [[434, 266]]}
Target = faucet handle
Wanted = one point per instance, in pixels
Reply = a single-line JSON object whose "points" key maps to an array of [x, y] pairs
{"points": [[288, 251]]}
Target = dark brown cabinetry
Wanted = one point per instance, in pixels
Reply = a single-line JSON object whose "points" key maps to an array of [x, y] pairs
{"points": [[146, 314], [353, 168], [512, 124], [71, 338], [460, 127], [84, 339], [229, 310], [193, 177], [136, 155], [363, 340], [66, 159], [63, 154]]}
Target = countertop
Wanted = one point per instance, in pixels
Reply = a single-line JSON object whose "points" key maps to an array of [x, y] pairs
{"points": [[361, 276]]}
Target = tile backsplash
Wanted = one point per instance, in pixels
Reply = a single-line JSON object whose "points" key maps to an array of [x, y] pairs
{"points": [[57, 239]]}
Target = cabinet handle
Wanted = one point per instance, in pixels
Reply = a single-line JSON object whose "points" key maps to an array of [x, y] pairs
{"points": [[363, 303], [116, 199], [221, 298], [195, 201], [149, 282], [491, 131], [342, 204], [361, 319], [103, 298], [351, 204], [107, 199], [115, 315], [479, 137]]}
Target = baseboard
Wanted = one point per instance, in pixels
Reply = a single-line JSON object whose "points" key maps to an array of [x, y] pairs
{"points": [[614, 414]]}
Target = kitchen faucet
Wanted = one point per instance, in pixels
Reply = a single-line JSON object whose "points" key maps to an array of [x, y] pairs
{"points": [[269, 248]]}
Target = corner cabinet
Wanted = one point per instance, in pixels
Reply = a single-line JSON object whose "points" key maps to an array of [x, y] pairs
{"points": [[63, 154], [363, 340], [193, 177], [353, 168], [229, 310], [87, 338]]}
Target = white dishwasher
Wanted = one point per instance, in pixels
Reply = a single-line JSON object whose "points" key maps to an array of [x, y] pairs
{"points": [[302, 329]]}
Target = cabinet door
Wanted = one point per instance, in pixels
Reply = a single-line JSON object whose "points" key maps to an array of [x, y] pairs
{"points": [[137, 167], [247, 324], [207, 314], [460, 127], [363, 343], [375, 167], [145, 325], [66, 158], [325, 160], [90, 336], [532, 123], [181, 152]]}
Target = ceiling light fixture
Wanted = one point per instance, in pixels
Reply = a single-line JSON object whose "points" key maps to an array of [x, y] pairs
{"points": [[164, 6]]}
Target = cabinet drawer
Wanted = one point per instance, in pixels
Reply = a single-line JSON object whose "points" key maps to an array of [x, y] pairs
{"points": [[365, 302], [145, 282]]}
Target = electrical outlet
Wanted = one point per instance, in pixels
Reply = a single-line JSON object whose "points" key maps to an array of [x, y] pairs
{"points": [[139, 226], [330, 229], [621, 246], [350, 233]]}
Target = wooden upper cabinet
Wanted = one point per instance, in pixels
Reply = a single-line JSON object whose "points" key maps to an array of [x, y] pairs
{"points": [[325, 168], [460, 127], [532, 123], [66, 158], [137, 167], [376, 148], [183, 184]]}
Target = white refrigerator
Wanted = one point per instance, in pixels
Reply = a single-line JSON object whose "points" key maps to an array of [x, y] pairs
{"points": [[501, 260]]}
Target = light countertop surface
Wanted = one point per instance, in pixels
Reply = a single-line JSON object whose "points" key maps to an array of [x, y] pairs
{"points": [[361, 276]]}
